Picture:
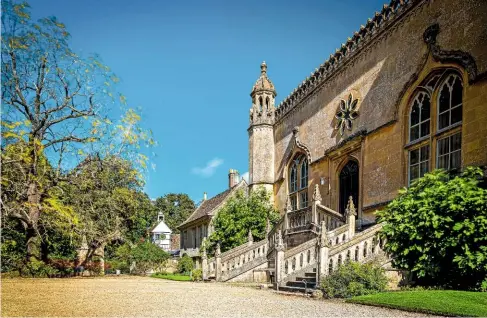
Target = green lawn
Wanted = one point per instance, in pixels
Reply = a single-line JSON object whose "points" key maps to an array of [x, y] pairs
{"points": [[178, 277], [443, 302]]}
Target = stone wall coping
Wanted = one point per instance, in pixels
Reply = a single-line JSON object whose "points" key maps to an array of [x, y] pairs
{"points": [[358, 238], [372, 29], [300, 248]]}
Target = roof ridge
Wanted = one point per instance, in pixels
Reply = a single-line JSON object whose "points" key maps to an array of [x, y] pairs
{"points": [[227, 192], [389, 13]]}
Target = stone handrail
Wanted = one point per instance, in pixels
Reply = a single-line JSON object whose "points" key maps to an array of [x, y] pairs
{"points": [[301, 218], [360, 248], [273, 232], [242, 249], [332, 218], [299, 258], [233, 262]]}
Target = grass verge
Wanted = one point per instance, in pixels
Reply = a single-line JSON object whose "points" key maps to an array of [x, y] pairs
{"points": [[178, 277], [442, 302]]}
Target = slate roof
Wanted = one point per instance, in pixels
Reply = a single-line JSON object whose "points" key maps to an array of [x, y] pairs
{"points": [[210, 206]]}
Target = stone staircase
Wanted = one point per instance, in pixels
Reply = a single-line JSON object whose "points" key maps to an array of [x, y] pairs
{"points": [[305, 283], [304, 246]]}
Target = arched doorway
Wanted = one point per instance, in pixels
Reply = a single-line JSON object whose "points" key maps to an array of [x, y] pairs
{"points": [[349, 184]]}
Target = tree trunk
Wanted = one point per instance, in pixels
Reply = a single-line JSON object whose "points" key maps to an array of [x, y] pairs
{"points": [[100, 252], [32, 234]]}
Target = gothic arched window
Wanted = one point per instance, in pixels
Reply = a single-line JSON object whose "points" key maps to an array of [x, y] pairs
{"points": [[447, 88], [420, 117], [260, 104], [267, 103], [298, 192]]}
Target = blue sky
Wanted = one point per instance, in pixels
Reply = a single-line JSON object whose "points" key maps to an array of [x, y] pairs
{"points": [[191, 65]]}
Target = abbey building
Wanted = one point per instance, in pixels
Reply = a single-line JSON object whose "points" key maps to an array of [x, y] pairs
{"points": [[405, 94]]}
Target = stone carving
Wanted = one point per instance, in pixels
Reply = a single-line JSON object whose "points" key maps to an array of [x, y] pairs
{"points": [[289, 206], [444, 56], [346, 114], [350, 210], [324, 241], [218, 250], [250, 237], [279, 241], [317, 194]]}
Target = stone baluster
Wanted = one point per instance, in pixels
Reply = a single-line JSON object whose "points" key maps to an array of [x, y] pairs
{"points": [[279, 268], [323, 253], [204, 262], [350, 213], [316, 201], [218, 261]]}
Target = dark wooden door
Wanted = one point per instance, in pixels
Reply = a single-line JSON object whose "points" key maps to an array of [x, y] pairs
{"points": [[349, 184]]}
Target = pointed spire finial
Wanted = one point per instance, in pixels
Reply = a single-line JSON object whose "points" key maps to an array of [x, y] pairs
{"points": [[350, 210], [263, 67], [317, 194], [250, 238], [218, 251]]}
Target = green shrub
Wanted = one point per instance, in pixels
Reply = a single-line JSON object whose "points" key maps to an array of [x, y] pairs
{"points": [[354, 279], [197, 275], [40, 269], [437, 230], [185, 264]]}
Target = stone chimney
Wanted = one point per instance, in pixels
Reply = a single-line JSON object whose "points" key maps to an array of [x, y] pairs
{"points": [[204, 196], [232, 178]]}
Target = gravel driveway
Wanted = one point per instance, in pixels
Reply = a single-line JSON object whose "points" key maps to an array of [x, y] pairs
{"points": [[140, 296]]}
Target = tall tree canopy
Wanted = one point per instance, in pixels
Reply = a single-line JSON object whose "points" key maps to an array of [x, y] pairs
{"points": [[241, 213], [176, 208], [437, 229], [56, 114]]}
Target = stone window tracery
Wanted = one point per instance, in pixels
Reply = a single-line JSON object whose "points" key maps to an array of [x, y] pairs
{"points": [[441, 114], [298, 191]]}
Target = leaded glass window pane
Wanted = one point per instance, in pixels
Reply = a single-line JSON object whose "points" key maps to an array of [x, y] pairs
{"points": [[293, 179], [418, 162], [450, 102], [420, 117], [304, 174], [449, 152], [303, 199]]}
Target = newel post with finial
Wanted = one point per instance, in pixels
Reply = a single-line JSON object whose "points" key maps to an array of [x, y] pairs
{"points": [[350, 213], [316, 201], [323, 253], [204, 261], [250, 239], [279, 267], [218, 261]]}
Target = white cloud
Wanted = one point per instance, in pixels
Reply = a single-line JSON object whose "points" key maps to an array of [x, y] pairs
{"points": [[210, 168], [245, 176]]}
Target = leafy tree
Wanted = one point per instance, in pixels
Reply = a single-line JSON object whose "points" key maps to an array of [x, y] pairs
{"points": [[144, 255], [106, 194], [437, 229], [176, 208], [185, 264], [55, 112], [240, 214]]}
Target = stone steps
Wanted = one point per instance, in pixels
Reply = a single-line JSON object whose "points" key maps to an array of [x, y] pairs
{"points": [[305, 283]]}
